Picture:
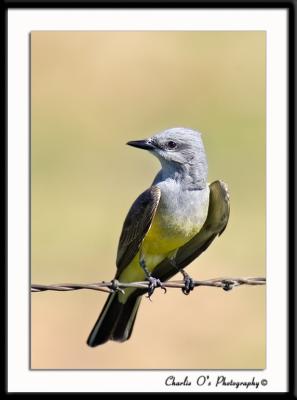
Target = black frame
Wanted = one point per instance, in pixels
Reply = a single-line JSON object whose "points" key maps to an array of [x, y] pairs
{"points": [[290, 5]]}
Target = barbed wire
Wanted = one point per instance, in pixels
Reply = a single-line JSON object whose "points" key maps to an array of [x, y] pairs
{"points": [[111, 286]]}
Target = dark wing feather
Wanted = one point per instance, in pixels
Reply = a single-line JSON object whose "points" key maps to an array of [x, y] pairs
{"points": [[136, 225], [215, 224]]}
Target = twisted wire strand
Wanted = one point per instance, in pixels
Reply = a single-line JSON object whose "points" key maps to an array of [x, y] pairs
{"points": [[111, 286]]}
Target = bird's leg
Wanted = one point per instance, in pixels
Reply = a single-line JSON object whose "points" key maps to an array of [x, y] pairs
{"points": [[143, 266], [153, 282], [188, 281]]}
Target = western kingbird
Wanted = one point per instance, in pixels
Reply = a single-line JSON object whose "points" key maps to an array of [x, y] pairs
{"points": [[167, 227]]}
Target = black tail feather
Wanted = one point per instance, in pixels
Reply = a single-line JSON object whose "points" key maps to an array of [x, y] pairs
{"points": [[125, 323], [116, 320]]}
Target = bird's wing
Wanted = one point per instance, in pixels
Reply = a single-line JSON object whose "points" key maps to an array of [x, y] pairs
{"points": [[215, 224], [136, 225]]}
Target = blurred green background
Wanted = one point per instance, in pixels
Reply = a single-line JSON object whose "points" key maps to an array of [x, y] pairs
{"points": [[91, 93]]}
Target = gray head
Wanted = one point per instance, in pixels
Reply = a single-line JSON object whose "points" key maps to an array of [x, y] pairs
{"points": [[177, 149]]}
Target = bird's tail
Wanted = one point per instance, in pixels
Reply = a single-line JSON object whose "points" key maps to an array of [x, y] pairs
{"points": [[116, 320]]}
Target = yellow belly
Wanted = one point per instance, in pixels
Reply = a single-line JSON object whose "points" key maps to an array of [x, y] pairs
{"points": [[165, 236], [159, 243]]}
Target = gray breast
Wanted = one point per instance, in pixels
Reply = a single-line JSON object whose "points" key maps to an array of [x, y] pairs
{"points": [[180, 209]]}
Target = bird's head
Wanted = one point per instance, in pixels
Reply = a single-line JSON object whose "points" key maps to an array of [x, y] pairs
{"points": [[175, 146]]}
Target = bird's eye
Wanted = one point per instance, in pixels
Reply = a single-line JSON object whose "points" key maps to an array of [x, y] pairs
{"points": [[171, 144]]}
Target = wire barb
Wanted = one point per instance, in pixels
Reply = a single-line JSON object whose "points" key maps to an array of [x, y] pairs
{"points": [[225, 283]]}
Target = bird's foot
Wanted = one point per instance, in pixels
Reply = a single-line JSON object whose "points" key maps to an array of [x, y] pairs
{"points": [[153, 284], [188, 284]]}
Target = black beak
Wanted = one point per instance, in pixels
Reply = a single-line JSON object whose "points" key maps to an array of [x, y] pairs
{"points": [[142, 144]]}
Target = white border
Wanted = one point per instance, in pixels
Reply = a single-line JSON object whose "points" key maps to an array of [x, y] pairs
{"points": [[20, 23]]}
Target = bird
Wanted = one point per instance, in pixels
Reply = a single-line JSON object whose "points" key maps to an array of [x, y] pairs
{"points": [[167, 227]]}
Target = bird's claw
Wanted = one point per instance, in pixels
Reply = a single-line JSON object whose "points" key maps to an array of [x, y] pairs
{"points": [[153, 284], [188, 285]]}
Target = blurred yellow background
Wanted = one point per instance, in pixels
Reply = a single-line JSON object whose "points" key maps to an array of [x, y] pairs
{"points": [[91, 93]]}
